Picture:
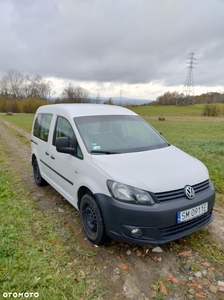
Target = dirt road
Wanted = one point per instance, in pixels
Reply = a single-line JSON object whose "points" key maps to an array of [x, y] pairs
{"points": [[171, 272]]}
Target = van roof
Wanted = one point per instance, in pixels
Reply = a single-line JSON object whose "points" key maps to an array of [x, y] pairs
{"points": [[86, 109]]}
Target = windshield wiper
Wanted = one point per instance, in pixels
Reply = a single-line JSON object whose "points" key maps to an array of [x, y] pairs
{"points": [[104, 152]]}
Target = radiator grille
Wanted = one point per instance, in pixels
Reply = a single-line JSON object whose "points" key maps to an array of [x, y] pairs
{"points": [[175, 230], [176, 194]]}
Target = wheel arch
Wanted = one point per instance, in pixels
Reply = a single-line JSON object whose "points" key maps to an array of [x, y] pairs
{"points": [[83, 190], [33, 158]]}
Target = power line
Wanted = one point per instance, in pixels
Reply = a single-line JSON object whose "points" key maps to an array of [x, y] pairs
{"points": [[121, 91]]}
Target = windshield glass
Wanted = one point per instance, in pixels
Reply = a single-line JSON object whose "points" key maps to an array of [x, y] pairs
{"points": [[118, 134]]}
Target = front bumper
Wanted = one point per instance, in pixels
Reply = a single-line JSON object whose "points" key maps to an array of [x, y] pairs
{"points": [[157, 223]]}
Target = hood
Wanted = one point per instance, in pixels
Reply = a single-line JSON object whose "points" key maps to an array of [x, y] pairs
{"points": [[156, 170]]}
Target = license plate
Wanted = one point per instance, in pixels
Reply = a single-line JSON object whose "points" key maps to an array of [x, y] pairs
{"points": [[194, 212]]}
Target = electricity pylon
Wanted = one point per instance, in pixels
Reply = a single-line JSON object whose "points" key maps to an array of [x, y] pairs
{"points": [[121, 95], [188, 90]]}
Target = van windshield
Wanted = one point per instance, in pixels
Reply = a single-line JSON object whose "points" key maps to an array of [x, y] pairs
{"points": [[115, 134]]}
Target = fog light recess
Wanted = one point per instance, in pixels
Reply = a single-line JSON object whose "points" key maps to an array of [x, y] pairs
{"points": [[136, 232]]}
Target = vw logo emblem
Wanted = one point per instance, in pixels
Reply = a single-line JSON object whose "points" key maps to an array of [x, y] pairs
{"points": [[189, 192]]}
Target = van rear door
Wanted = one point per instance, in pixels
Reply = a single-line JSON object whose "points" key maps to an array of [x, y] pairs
{"points": [[41, 139]]}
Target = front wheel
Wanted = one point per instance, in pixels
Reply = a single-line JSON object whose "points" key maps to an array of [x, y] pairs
{"points": [[92, 220]]}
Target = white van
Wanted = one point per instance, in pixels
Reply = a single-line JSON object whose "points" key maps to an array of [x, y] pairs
{"points": [[126, 180]]}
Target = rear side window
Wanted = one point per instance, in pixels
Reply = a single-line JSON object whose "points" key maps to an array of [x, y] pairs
{"points": [[42, 126]]}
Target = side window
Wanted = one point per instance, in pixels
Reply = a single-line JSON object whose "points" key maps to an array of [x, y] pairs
{"points": [[64, 129], [42, 126]]}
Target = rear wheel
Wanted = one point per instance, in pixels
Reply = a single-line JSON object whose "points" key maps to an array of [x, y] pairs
{"points": [[37, 175], [92, 220]]}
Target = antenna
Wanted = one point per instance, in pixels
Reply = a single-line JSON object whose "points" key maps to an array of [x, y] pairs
{"points": [[188, 90]]}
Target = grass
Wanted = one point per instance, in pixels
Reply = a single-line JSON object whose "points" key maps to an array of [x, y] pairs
{"points": [[22, 120], [213, 252], [39, 253], [35, 253], [201, 137], [170, 110]]}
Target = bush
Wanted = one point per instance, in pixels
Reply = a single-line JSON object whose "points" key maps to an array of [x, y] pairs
{"points": [[212, 110], [30, 105]]}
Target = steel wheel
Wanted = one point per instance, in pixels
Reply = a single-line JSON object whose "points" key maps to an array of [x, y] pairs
{"points": [[37, 175], [92, 220]]}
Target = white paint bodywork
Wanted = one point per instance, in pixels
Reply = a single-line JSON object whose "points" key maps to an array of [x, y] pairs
{"points": [[154, 170]]}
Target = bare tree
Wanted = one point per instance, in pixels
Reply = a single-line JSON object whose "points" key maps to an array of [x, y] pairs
{"points": [[4, 90], [73, 94], [109, 101], [11, 84], [40, 88], [26, 87], [20, 86]]}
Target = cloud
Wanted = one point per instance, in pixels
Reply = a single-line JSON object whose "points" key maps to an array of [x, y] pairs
{"points": [[125, 41]]}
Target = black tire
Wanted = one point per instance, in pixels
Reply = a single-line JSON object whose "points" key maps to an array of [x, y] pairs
{"points": [[92, 220], [37, 175]]}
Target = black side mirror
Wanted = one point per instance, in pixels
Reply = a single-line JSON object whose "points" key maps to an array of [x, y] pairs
{"points": [[62, 145]]}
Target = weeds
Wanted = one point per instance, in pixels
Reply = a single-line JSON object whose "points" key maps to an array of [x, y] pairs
{"points": [[35, 255], [203, 243], [39, 253]]}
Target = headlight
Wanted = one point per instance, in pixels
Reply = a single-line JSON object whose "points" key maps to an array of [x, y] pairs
{"points": [[128, 193]]}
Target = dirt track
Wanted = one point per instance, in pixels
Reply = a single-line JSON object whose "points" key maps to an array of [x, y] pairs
{"points": [[137, 271]]}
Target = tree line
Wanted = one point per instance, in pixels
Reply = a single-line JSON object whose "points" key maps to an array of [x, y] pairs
{"points": [[22, 93], [175, 98], [20, 86]]}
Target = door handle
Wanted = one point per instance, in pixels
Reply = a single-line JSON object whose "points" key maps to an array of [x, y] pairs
{"points": [[46, 153], [52, 157]]}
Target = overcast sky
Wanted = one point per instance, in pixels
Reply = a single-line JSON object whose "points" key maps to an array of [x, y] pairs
{"points": [[138, 46]]}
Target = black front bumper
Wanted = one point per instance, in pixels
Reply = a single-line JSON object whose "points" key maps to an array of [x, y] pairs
{"points": [[158, 222]]}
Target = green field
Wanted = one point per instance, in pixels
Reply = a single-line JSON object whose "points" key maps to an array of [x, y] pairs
{"points": [[184, 127], [170, 110], [22, 120], [35, 256], [39, 252]]}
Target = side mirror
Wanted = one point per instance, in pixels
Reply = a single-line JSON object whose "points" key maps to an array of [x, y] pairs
{"points": [[62, 146]]}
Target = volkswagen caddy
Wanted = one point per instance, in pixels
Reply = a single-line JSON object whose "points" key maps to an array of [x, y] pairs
{"points": [[126, 180]]}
